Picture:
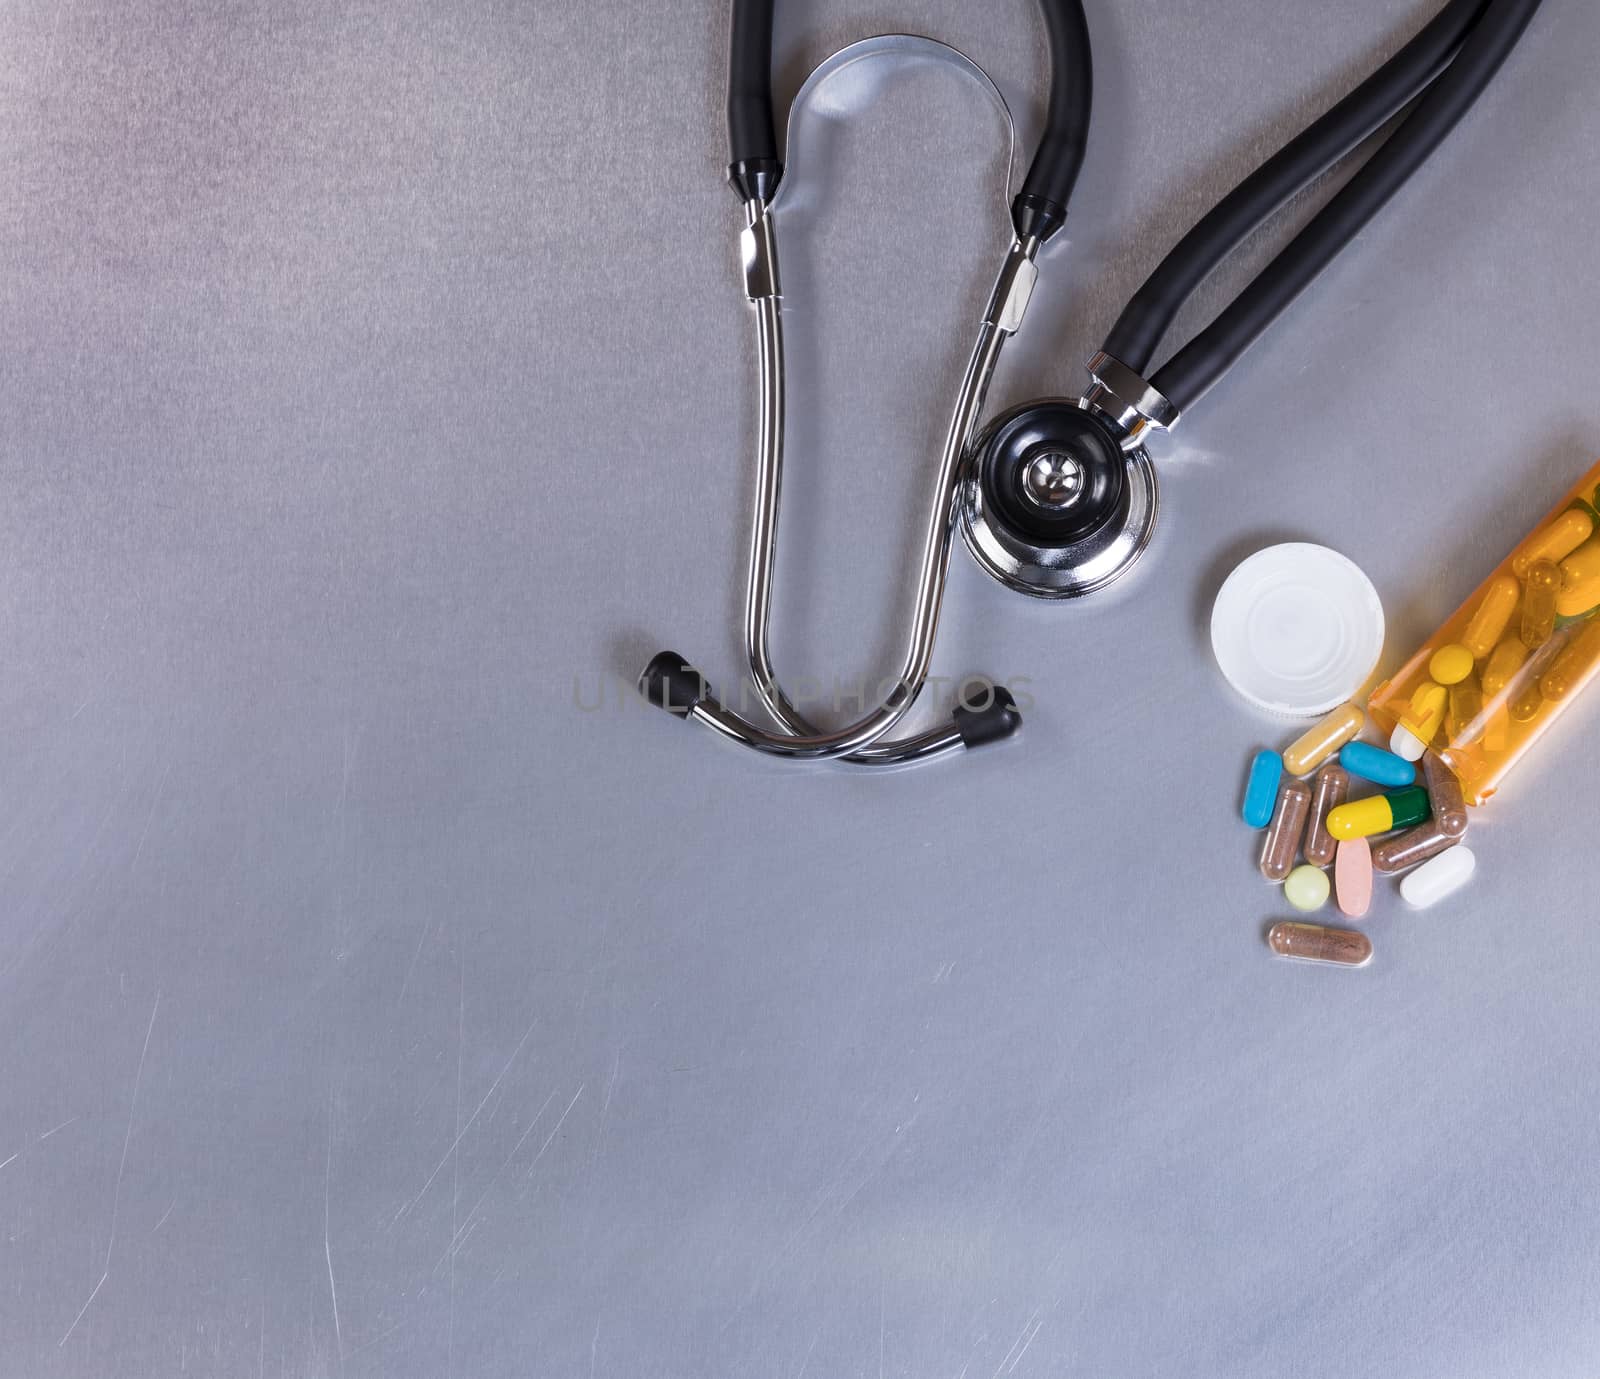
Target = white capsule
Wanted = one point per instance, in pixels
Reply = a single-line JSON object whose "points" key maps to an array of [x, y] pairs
{"points": [[1405, 744], [1434, 880]]}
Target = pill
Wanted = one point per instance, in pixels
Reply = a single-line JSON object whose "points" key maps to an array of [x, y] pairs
{"points": [[1504, 663], [1314, 943], [1434, 880], [1352, 877], [1317, 744], [1374, 764], [1445, 801], [1451, 664], [1329, 790], [1306, 888], [1580, 581], [1539, 606], [1555, 542], [1261, 790], [1282, 844], [1379, 813], [1527, 702], [1421, 721], [1574, 665], [1463, 721], [1488, 625], [1411, 847]]}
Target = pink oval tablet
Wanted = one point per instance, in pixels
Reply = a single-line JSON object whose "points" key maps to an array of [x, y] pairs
{"points": [[1352, 877]]}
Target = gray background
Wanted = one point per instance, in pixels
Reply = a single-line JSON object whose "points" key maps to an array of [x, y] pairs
{"points": [[377, 384]]}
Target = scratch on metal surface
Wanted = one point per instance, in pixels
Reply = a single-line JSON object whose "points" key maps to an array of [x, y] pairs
{"points": [[164, 1215], [64, 1124], [380, 1337], [427, 928], [557, 1130], [327, 1238], [1019, 1347], [455, 1160], [522, 1140], [116, 1195], [149, 818], [92, 1296], [12, 1159], [461, 1133]]}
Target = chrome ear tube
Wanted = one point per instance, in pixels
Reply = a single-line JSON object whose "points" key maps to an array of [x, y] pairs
{"points": [[1058, 498], [1037, 212]]}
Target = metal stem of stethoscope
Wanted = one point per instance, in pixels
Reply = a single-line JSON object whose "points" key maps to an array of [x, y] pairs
{"points": [[858, 742]]}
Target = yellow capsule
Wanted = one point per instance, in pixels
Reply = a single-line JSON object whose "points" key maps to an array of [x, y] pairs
{"points": [[1539, 607], [1580, 581], [1574, 665], [1451, 664], [1555, 542], [1425, 713], [1489, 623], [1317, 744], [1504, 663]]}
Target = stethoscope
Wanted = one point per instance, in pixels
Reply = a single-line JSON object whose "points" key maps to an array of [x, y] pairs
{"points": [[1057, 498]]}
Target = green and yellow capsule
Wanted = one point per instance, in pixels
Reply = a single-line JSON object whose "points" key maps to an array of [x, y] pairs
{"points": [[1379, 813]]}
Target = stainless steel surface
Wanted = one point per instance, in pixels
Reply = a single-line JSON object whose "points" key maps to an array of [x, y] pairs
{"points": [[1063, 572], [385, 995], [1133, 402], [859, 742]]}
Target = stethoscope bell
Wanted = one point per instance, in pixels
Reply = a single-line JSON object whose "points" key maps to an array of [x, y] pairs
{"points": [[1057, 500]]}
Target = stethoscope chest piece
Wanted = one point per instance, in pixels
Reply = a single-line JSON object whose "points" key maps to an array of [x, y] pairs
{"points": [[1056, 502]]}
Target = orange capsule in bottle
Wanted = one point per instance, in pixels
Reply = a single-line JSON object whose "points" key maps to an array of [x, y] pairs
{"points": [[1464, 721], [1555, 542], [1574, 665], [1504, 663], [1488, 624], [1580, 582], [1539, 605], [1315, 943]]}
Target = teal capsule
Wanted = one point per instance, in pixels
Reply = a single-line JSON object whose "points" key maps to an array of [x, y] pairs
{"points": [[1261, 791], [1374, 764]]}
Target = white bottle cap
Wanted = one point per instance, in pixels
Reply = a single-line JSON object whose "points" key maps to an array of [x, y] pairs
{"points": [[1297, 629]]}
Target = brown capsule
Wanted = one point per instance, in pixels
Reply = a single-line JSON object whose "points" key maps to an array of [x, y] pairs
{"points": [[1314, 943], [1282, 843], [1449, 805], [1329, 790], [1411, 847]]}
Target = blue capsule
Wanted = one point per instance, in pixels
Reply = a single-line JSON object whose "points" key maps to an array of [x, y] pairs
{"points": [[1261, 794], [1374, 764]]}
